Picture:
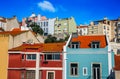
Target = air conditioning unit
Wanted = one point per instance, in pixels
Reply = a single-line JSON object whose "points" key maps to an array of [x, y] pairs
{"points": [[30, 41]]}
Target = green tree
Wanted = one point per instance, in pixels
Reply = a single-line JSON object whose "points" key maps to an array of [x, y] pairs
{"points": [[36, 28], [50, 39]]}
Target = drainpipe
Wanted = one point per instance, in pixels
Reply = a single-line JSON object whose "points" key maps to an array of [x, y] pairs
{"points": [[109, 56], [64, 65], [64, 75], [37, 66]]}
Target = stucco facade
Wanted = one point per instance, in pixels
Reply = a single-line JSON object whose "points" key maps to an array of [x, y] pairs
{"points": [[84, 62], [12, 23], [3, 55], [40, 65], [101, 27], [82, 30], [47, 24], [17, 38], [64, 27]]}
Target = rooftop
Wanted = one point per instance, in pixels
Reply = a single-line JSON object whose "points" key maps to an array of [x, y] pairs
{"points": [[85, 41], [48, 47]]}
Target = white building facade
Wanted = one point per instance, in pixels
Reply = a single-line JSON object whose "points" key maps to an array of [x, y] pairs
{"points": [[82, 30]]}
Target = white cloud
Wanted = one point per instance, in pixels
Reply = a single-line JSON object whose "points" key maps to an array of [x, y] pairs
{"points": [[46, 6]]}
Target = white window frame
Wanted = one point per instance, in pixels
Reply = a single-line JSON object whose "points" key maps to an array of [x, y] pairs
{"points": [[52, 72], [22, 75], [75, 45], [77, 69], [100, 68], [86, 71], [92, 45]]}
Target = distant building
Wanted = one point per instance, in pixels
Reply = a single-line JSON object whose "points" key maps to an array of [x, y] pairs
{"points": [[18, 37], [3, 55], [36, 61], [116, 30], [7, 24], [88, 57], [65, 26], [46, 24], [82, 30], [2, 24], [101, 27]]}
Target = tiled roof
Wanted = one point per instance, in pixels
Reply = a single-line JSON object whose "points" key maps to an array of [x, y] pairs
{"points": [[43, 18], [13, 33], [82, 26], [48, 47], [53, 47], [25, 46], [85, 41], [3, 20], [16, 29], [117, 62]]}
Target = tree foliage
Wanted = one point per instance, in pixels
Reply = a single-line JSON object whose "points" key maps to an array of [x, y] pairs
{"points": [[36, 28], [52, 39]]}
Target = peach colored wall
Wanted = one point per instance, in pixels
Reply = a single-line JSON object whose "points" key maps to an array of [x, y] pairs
{"points": [[3, 56]]}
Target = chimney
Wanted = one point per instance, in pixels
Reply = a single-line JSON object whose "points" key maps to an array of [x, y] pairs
{"points": [[92, 23], [105, 18]]}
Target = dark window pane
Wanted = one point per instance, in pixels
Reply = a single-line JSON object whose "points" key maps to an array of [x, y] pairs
{"points": [[29, 56], [57, 56], [22, 56], [74, 65], [49, 56], [33, 56], [50, 75], [76, 72]]}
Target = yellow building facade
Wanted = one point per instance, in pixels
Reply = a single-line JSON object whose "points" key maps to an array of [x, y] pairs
{"points": [[3, 55]]}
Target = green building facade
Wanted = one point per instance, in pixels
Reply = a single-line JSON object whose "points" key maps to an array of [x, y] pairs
{"points": [[65, 26]]}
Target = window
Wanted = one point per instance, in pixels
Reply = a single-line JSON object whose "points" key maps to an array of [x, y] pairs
{"points": [[104, 27], [118, 51], [75, 44], [22, 75], [30, 74], [92, 32], [96, 71], [22, 56], [31, 56], [46, 23], [41, 24], [84, 71], [47, 30], [92, 27], [74, 69], [50, 75], [52, 57], [95, 45]]}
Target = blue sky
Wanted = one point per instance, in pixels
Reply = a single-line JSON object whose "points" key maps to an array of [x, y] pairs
{"points": [[83, 11]]}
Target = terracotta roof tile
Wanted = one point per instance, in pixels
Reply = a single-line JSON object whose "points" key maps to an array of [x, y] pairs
{"points": [[3, 20], [117, 62], [48, 47], [53, 47], [12, 32], [26, 46], [85, 41], [82, 27], [16, 29]]}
